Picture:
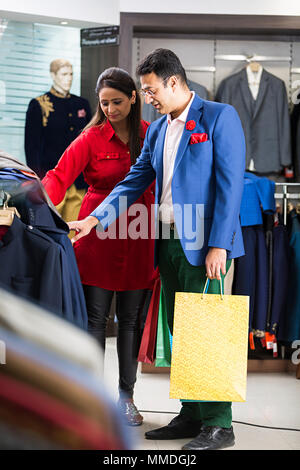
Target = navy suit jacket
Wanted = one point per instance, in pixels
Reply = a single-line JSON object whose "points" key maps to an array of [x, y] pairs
{"points": [[207, 184]]}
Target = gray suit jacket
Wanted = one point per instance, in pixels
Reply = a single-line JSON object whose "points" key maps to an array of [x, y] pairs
{"points": [[265, 121]]}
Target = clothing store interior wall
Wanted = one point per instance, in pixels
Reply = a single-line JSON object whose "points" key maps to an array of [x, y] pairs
{"points": [[26, 52]]}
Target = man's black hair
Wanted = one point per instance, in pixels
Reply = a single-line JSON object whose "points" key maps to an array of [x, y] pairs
{"points": [[164, 63]]}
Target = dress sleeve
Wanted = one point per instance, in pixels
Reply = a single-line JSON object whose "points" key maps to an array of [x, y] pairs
{"points": [[71, 164]]}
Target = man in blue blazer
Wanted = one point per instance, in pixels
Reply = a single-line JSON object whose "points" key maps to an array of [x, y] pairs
{"points": [[196, 154]]}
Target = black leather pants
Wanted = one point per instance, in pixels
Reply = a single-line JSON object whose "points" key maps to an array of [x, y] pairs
{"points": [[129, 306]]}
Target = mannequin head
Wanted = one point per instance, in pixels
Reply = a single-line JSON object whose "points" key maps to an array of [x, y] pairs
{"points": [[61, 72]]}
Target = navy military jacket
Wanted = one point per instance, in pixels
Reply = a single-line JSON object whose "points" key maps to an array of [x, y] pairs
{"points": [[52, 123]]}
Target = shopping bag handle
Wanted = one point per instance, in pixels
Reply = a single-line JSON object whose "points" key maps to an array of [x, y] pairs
{"points": [[206, 288]]}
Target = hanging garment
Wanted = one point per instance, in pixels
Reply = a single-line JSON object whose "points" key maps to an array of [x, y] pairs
{"points": [[295, 131], [266, 120], [53, 121], [251, 276], [280, 277], [258, 197], [32, 265], [8, 161], [29, 198], [289, 326]]}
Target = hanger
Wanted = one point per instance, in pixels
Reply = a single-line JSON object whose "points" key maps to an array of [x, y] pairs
{"points": [[253, 64], [7, 213]]}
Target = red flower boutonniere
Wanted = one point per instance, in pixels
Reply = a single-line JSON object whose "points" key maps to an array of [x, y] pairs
{"points": [[190, 125], [197, 138]]}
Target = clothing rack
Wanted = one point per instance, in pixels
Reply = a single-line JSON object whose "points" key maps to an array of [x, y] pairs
{"points": [[285, 196], [241, 58], [203, 68], [253, 58]]}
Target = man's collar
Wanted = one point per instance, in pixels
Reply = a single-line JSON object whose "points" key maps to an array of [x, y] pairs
{"points": [[184, 114]]}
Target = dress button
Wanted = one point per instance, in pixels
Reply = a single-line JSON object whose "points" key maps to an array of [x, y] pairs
{"points": [[107, 156], [128, 152]]}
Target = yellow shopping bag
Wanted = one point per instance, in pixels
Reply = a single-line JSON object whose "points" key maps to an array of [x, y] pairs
{"points": [[210, 347]]}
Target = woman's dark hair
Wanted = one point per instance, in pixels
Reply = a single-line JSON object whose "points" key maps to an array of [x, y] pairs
{"points": [[164, 63], [119, 79]]}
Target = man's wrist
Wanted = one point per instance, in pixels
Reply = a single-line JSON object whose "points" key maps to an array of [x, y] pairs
{"points": [[92, 221]]}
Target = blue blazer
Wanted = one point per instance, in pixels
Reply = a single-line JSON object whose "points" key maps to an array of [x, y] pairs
{"points": [[207, 184]]}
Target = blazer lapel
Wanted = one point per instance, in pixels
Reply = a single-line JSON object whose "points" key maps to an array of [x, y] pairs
{"points": [[194, 114], [159, 154], [246, 93], [261, 92]]}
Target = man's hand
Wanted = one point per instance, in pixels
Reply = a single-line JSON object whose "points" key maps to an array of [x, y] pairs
{"points": [[215, 262], [82, 227]]}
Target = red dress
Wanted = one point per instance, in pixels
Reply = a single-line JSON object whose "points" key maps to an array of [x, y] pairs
{"points": [[114, 264]]}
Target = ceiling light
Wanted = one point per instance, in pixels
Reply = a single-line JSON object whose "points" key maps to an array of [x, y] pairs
{"points": [[63, 22]]}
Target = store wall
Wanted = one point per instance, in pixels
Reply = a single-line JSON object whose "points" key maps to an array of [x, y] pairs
{"points": [[93, 11], [103, 12], [25, 54], [230, 7], [213, 54]]}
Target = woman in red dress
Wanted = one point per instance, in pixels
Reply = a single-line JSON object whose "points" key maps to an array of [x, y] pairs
{"points": [[104, 152]]}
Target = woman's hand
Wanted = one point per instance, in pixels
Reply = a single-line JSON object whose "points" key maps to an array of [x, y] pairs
{"points": [[82, 227]]}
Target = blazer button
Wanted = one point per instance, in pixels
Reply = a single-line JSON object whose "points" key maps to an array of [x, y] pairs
{"points": [[71, 128], [70, 114]]}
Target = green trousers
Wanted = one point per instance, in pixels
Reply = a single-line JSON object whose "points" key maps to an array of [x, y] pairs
{"points": [[178, 275]]}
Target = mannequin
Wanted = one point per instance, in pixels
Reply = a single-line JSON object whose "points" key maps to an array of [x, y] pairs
{"points": [[53, 121]]}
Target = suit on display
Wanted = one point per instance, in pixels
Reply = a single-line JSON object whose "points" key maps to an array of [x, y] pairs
{"points": [[264, 116], [53, 121]]}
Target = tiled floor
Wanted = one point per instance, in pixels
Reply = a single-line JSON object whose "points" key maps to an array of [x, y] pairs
{"points": [[273, 400]]}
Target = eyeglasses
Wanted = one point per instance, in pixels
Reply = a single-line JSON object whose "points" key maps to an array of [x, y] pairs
{"points": [[152, 93], [148, 92]]}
